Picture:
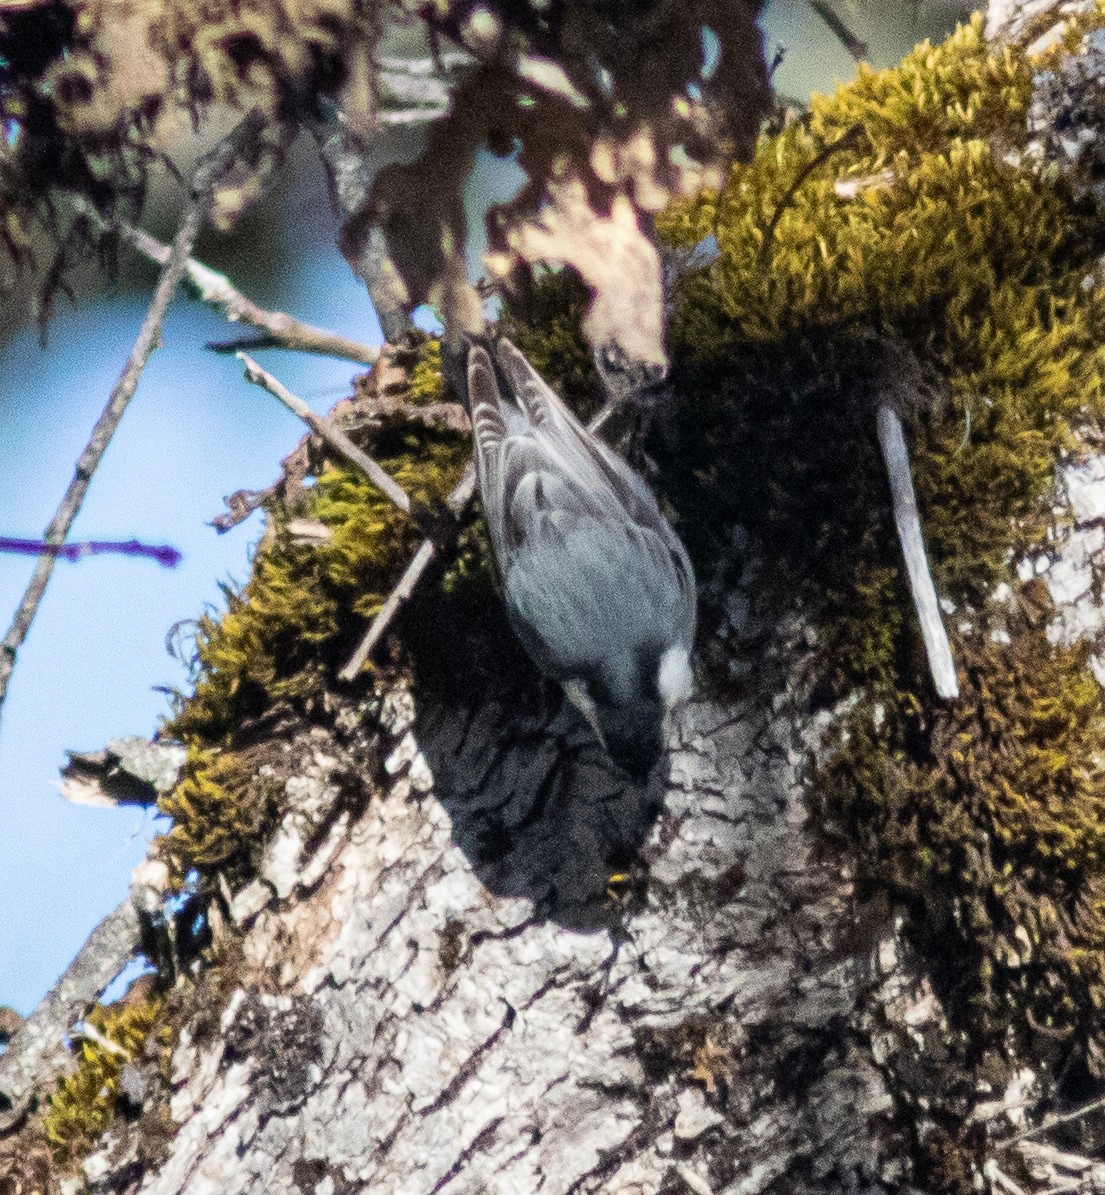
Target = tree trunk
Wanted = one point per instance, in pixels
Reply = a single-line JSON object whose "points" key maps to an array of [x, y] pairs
{"points": [[476, 960]]}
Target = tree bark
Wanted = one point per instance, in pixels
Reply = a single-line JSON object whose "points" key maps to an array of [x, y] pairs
{"points": [[477, 960]]}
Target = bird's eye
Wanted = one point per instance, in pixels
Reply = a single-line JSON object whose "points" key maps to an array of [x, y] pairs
{"points": [[648, 672]]}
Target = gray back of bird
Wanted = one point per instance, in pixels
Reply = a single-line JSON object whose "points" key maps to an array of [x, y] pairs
{"points": [[597, 585]]}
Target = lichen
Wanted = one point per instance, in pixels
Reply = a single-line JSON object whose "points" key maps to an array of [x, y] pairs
{"points": [[86, 1101], [897, 244]]}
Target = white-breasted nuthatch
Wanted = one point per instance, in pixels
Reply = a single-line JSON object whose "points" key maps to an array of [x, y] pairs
{"points": [[598, 586]]}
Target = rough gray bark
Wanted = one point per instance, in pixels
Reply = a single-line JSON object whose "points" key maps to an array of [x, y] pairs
{"points": [[445, 986], [473, 1012], [439, 993]]}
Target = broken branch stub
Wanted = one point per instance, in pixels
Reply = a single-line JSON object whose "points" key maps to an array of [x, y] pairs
{"points": [[907, 520]]}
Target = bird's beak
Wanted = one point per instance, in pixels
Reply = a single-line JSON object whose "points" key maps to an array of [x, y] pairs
{"points": [[584, 702]]}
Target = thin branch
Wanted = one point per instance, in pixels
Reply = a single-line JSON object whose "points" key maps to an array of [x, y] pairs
{"points": [[87, 1030], [908, 522], [1055, 1121], [279, 329], [209, 173], [338, 440], [855, 45], [457, 502], [351, 169], [37, 1052]]}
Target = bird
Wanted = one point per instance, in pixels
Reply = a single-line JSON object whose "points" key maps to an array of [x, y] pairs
{"points": [[598, 587]]}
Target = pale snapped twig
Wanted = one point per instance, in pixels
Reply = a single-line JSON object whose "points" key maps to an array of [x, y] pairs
{"points": [[88, 1030], [278, 330], [457, 501], [333, 436], [908, 522], [1065, 1118], [209, 172]]}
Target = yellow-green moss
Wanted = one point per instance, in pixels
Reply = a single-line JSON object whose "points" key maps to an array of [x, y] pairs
{"points": [[223, 810], [85, 1102], [305, 604], [544, 322], [988, 817], [282, 638], [427, 382], [919, 250]]}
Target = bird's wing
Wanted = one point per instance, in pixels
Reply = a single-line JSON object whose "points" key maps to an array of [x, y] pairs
{"points": [[615, 596], [597, 468], [488, 428], [584, 455]]}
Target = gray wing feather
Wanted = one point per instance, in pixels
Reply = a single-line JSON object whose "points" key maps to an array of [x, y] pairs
{"points": [[556, 496], [589, 458]]}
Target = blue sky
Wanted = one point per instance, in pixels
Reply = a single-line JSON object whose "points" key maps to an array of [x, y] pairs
{"points": [[195, 432]]}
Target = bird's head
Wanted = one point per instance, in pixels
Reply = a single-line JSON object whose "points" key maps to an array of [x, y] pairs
{"points": [[631, 718]]}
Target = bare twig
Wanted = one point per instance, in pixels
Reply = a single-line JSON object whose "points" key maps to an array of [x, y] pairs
{"points": [[908, 522], [351, 171], [87, 1030], [1000, 1180], [694, 1182], [209, 172], [335, 438], [278, 329], [457, 502], [37, 1051], [1048, 1125], [855, 45]]}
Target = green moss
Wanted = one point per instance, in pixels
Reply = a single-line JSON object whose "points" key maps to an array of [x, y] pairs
{"points": [[544, 322], [305, 605], [223, 810], [427, 382], [988, 817], [275, 650], [890, 245], [85, 1102]]}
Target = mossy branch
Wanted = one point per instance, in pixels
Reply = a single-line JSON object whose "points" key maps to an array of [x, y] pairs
{"points": [[37, 1051]]}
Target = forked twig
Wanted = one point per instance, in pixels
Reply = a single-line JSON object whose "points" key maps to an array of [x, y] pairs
{"points": [[908, 522], [333, 436], [209, 172]]}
